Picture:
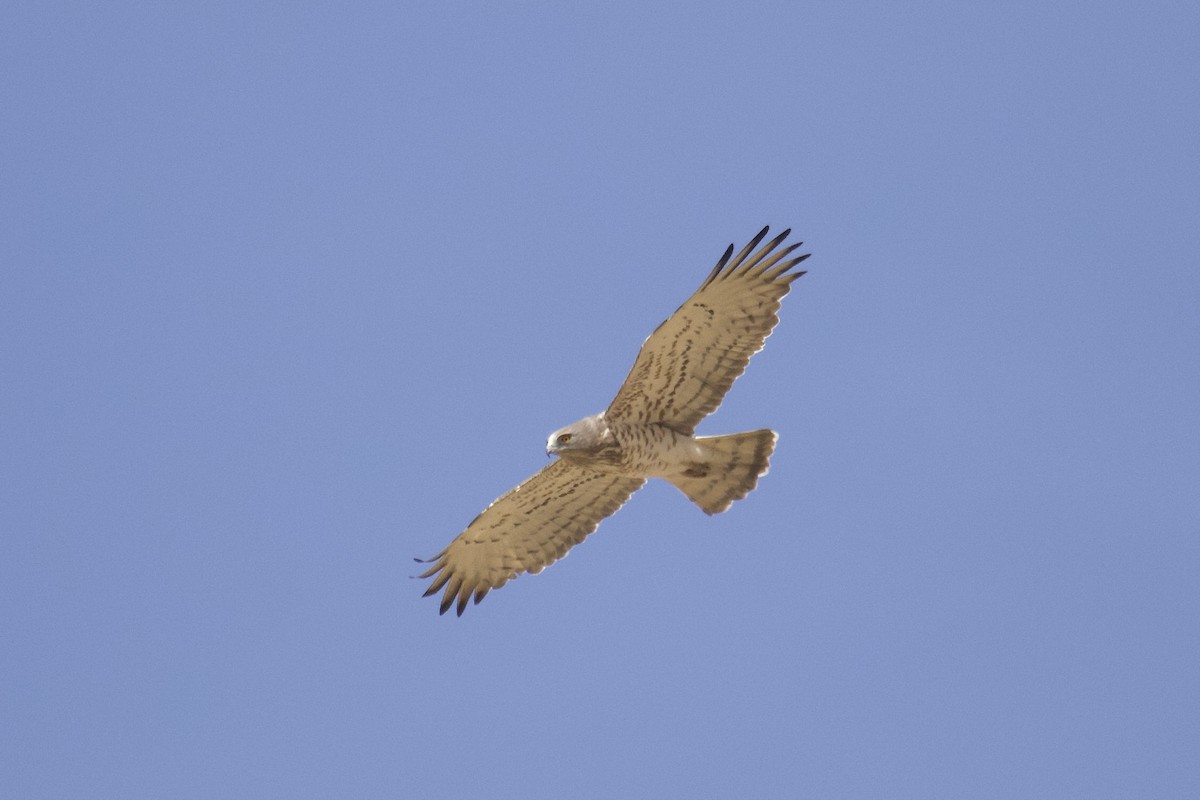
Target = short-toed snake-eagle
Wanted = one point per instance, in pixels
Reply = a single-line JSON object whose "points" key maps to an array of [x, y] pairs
{"points": [[681, 374]]}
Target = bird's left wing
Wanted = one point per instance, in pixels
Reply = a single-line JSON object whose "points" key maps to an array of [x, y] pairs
{"points": [[688, 364], [526, 530]]}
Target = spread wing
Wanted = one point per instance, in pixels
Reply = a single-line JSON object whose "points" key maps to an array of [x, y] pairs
{"points": [[526, 530], [688, 364]]}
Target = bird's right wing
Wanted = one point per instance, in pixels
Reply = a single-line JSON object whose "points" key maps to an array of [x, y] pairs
{"points": [[526, 530]]}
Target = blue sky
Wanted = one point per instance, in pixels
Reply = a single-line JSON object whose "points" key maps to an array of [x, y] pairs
{"points": [[290, 292]]}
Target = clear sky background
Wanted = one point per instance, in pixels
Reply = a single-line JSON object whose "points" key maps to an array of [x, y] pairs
{"points": [[290, 292]]}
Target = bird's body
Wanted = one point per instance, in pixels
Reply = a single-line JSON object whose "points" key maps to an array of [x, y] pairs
{"points": [[628, 448], [712, 471], [680, 376]]}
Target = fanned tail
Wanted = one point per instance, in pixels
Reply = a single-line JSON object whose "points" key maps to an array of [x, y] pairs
{"points": [[731, 469]]}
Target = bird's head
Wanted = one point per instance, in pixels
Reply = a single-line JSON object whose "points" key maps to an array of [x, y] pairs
{"points": [[583, 438]]}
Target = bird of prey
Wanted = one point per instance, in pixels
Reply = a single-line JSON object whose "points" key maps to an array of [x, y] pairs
{"points": [[680, 376]]}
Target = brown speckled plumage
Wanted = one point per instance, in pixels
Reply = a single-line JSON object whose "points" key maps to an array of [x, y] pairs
{"points": [[680, 376]]}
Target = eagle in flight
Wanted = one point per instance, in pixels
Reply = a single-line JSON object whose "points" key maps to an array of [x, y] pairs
{"points": [[680, 376]]}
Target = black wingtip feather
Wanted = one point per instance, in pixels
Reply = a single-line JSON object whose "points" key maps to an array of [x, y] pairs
{"points": [[720, 266], [765, 261], [429, 560], [745, 251], [765, 250]]}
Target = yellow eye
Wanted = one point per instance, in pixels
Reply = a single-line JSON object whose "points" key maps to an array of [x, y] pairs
{"points": [[564, 438]]}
